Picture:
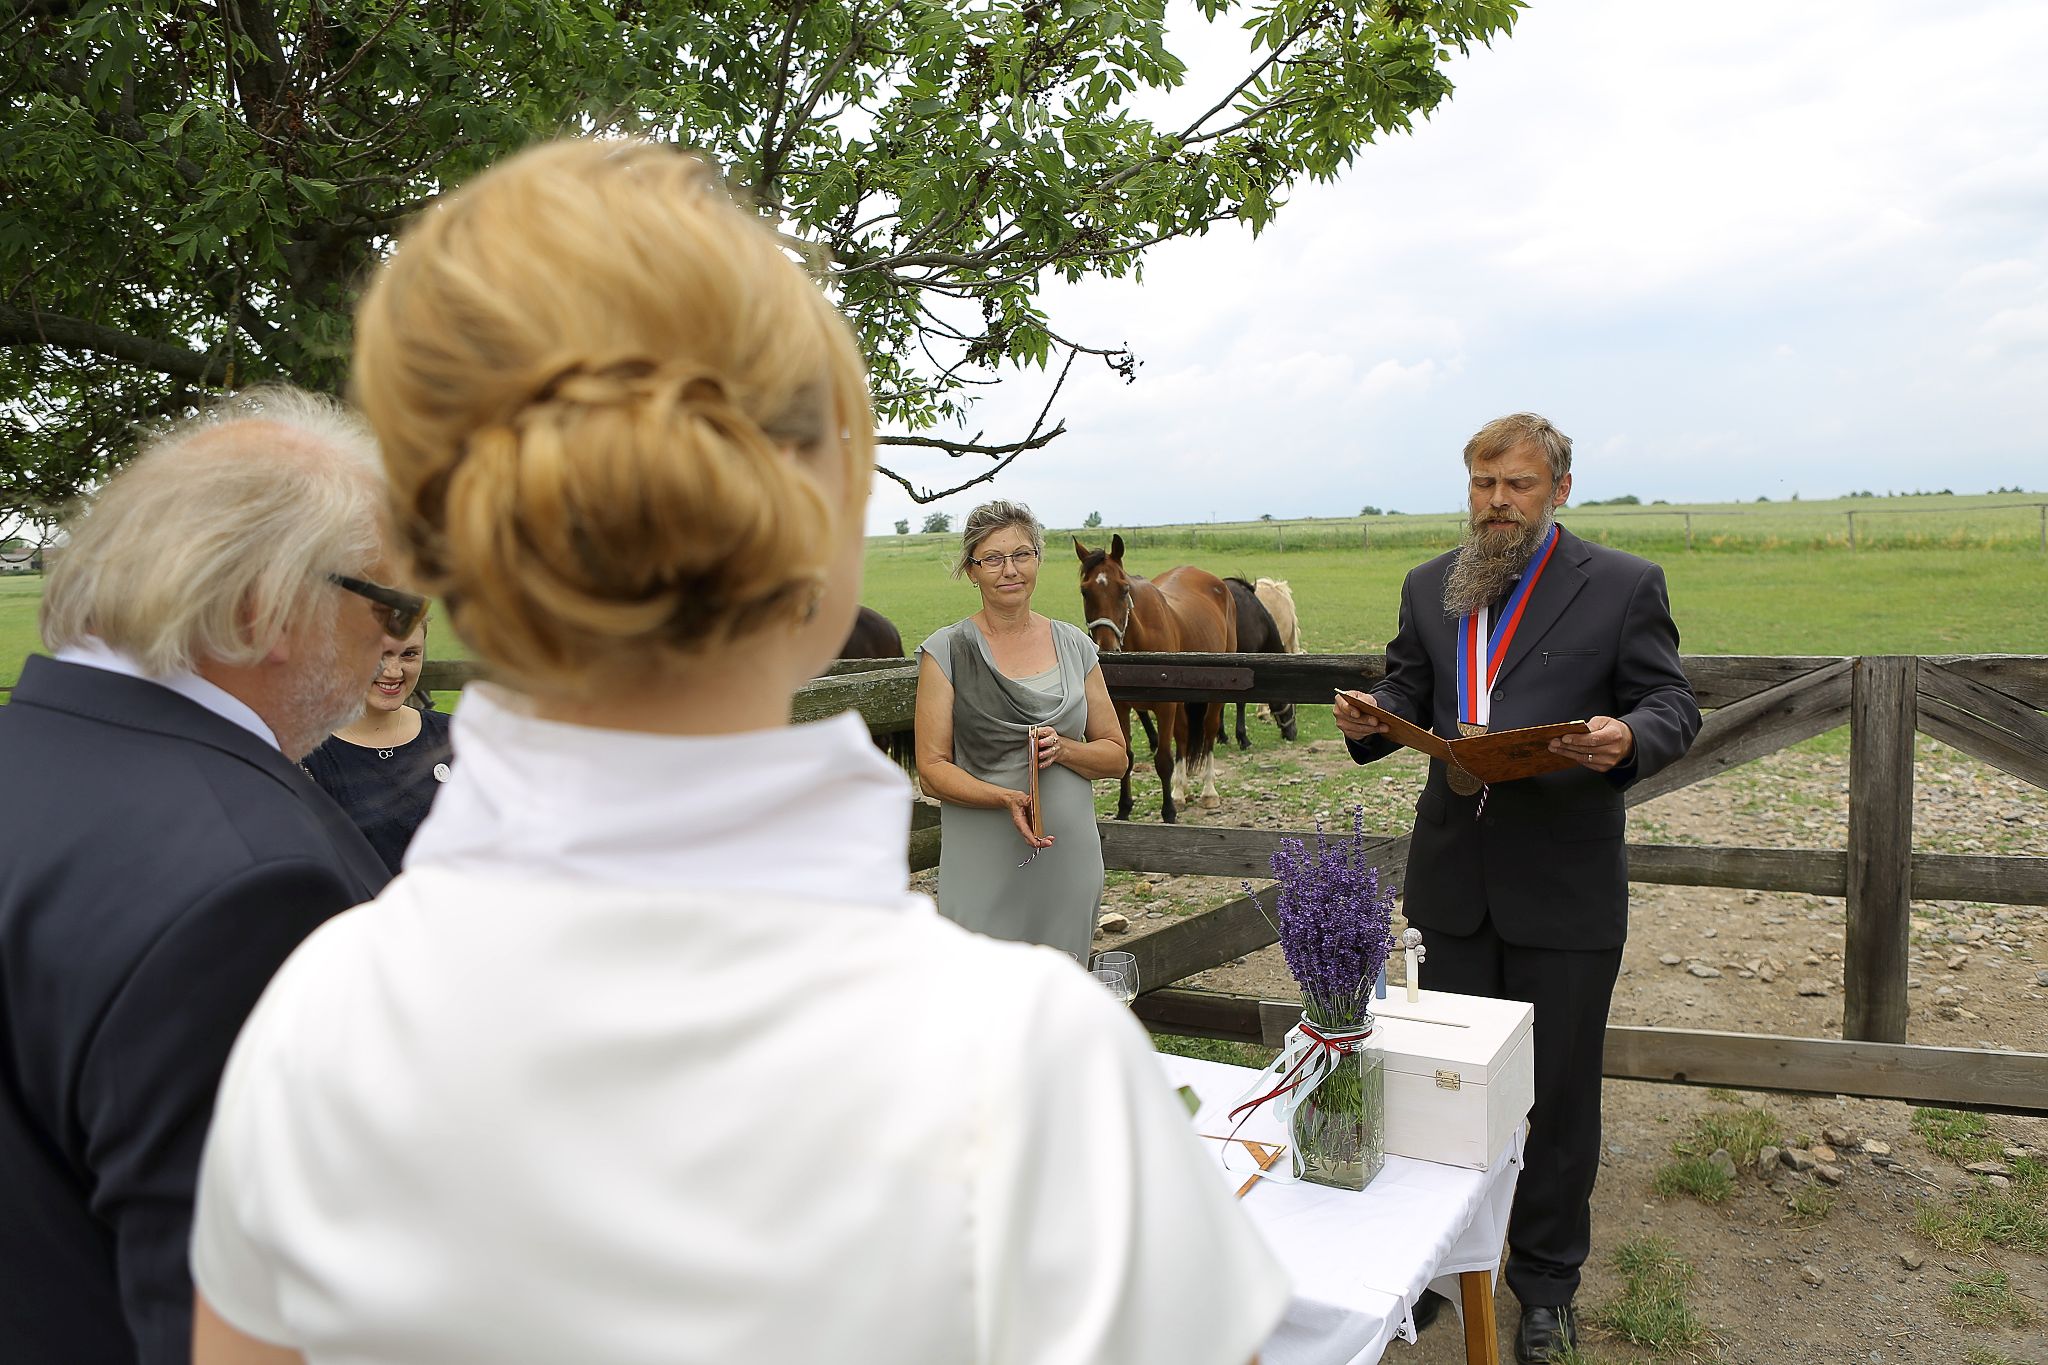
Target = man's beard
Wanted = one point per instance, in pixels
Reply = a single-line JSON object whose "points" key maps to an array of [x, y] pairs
{"points": [[324, 697], [1488, 561]]}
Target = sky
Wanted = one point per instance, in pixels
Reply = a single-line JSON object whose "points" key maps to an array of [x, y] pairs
{"points": [[1740, 250]]}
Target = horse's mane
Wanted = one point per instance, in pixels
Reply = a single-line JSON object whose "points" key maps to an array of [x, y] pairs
{"points": [[1094, 561]]}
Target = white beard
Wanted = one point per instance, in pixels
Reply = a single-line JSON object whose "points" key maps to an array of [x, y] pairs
{"points": [[324, 697]]}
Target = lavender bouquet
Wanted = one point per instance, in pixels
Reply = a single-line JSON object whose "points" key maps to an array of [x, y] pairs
{"points": [[1336, 929]]}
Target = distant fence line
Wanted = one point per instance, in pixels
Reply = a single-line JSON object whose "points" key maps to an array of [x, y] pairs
{"points": [[1689, 529]]}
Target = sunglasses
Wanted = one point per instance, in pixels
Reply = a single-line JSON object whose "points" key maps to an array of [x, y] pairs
{"points": [[400, 612]]}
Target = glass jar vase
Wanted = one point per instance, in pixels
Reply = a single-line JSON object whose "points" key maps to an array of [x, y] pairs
{"points": [[1339, 1125]]}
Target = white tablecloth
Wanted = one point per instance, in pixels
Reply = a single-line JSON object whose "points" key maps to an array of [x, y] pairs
{"points": [[1358, 1260]]}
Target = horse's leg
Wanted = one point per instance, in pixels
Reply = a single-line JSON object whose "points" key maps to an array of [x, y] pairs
{"points": [[1123, 796], [1162, 759], [1151, 735], [1178, 741], [1244, 741], [1203, 729]]}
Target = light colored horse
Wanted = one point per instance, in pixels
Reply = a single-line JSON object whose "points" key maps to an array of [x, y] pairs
{"points": [[1278, 600]]}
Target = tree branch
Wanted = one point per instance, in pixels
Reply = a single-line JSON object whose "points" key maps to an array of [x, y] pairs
{"points": [[786, 143], [1009, 452], [771, 148], [958, 448], [18, 328], [339, 78]]}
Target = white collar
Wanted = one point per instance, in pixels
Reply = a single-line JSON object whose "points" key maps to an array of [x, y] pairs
{"points": [[813, 811], [93, 652]]}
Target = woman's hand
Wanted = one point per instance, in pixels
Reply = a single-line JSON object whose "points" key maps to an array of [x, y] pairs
{"points": [[1051, 747], [1020, 815]]}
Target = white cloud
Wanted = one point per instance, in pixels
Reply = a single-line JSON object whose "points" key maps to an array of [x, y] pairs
{"points": [[1391, 377]]}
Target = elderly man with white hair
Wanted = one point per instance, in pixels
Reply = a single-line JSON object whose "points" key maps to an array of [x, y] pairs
{"points": [[215, 615]]}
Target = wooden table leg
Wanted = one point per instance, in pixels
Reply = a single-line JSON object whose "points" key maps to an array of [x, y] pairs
{"points": [[1482, 1337]]}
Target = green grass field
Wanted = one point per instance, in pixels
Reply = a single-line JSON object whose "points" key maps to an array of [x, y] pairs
{"points": [[1779, 602], [1974, 580]]}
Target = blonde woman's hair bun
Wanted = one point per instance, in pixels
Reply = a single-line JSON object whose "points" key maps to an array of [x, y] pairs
{"points": [[622, 425]]}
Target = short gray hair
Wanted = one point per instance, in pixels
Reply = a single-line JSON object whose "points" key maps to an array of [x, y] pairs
{"points": [[991, 517], [220, 532], [1504, 434]]}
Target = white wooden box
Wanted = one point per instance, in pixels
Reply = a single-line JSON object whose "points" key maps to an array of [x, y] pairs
{"points": [[1460, 1074]]}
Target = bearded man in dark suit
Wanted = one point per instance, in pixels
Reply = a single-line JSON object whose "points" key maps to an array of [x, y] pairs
{"points": [[213, 617], [1521, 889]]}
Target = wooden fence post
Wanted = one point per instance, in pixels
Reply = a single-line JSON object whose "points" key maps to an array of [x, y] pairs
{"points": [[1688, 530], [1852, 530], [1883, 705]]}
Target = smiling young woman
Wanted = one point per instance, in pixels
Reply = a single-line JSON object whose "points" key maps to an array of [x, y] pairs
{"points": [[384, 767]]}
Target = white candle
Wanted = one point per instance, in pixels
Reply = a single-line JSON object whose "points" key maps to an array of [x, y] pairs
{"points": [[1411, 949]]}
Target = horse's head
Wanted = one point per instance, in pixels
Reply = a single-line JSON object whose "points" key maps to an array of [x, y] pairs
{"points": [[1105, 593]]}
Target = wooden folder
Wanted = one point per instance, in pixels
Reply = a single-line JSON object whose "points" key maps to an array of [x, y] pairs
{"points": [[1496, 756]]}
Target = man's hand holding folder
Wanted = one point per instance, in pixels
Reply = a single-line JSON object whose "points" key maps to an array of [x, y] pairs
{"points": [[1498, 756]]}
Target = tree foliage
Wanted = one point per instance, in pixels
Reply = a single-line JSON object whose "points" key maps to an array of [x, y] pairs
{"points": [[191, 193]]}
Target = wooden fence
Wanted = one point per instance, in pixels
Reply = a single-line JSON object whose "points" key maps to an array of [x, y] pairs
{"points": [[1988, 706]]}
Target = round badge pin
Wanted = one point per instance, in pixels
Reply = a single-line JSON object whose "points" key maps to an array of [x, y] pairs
{"points": [[440, 772]]}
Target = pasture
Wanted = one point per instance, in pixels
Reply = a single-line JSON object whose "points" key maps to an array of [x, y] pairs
{"points": [[1777, 602]]}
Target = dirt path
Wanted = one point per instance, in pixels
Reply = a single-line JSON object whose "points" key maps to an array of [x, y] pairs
{"points": [[1844, 1276]]}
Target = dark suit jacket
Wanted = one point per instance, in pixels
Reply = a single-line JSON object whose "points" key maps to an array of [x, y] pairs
{"points": [[165, 863], [1546, 858]]}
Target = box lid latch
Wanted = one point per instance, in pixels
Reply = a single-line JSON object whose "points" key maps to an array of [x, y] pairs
{"points": [[1448, 1080]]}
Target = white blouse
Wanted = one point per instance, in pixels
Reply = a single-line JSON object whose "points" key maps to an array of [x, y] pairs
{"points": [[650, 1055]]}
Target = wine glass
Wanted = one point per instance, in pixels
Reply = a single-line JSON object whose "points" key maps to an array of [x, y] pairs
{"points": [[1124, 965], [1119, 985]]}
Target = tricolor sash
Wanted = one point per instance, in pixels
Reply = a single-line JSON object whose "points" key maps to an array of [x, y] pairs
{"points": [[1480, 654]]}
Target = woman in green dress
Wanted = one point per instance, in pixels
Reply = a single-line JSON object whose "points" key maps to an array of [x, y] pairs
{"points": [[996, 692]]}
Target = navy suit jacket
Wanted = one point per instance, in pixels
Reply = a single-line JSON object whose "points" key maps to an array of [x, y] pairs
{"points": [[1546, 858], [165, 863]]}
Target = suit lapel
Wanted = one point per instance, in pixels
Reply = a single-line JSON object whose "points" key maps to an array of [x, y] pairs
{"points": [[1561, 582]]}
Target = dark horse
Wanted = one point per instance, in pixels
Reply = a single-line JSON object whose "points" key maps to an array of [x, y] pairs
{"points": [[874, 636], [1184, 609], [1258, 633]]}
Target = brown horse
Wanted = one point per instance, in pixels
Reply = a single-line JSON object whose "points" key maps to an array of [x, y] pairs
{"points": [[1184, 609]]}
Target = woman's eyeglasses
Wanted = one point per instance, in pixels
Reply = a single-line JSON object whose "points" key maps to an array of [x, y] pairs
{"points": [[400, 612], [1018, 557]]}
